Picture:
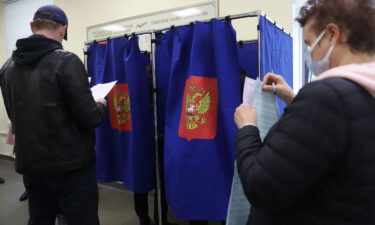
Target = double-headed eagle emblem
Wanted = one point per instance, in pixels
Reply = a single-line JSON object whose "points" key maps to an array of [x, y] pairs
{"points": [[122, 106], [196, 105]]}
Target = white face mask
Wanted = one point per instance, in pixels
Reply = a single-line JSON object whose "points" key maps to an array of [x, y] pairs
{"points": [[318, 67]]}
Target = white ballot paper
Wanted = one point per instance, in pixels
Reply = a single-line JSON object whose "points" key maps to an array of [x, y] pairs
{"points": [[267, 115], [248, 90], [101, 90], [267, 109]]}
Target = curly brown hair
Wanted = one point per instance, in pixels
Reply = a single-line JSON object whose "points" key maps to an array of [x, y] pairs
{"points": [[356, 18]]}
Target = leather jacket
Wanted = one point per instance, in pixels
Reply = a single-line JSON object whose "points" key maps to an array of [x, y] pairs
{"points": [[49, 102]]}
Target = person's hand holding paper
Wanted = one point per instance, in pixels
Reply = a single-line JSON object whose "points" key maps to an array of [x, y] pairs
{"points": [[277, 84], [100, 91]]}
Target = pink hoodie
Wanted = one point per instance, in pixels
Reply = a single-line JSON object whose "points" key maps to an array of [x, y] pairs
{"points": [[362, 74]]}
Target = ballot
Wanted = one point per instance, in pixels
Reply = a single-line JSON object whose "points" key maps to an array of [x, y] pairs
{"points": [[267, 110], [267, 115], [102, 90], [248, 90]]}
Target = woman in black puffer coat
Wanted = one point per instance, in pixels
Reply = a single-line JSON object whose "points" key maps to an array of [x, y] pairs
{"points": [[317, 164]]}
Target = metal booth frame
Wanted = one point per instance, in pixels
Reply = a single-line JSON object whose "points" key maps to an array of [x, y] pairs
{"points": [[253, 14]]}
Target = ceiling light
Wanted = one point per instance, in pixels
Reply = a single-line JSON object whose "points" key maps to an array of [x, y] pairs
{"points": [[187, 12], [114, 28]]}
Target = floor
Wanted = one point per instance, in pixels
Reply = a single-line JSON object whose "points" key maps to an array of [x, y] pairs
{"points": [[115, 203]]}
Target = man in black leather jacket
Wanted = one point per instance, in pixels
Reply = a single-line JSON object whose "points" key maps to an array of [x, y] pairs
{"points": [[48, 100]]}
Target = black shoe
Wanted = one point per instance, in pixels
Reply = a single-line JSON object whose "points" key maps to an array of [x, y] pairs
{"points": [[24, 196], [145, 221], [2, 180]]}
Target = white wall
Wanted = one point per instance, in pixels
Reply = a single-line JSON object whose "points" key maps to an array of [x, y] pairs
{"points": [[4, 148], [84, 13], [2, 35], [298, 48], [278, 10], [18, 14]]}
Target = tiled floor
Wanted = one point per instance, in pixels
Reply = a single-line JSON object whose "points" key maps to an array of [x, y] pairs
{"points": [[115, 204]]}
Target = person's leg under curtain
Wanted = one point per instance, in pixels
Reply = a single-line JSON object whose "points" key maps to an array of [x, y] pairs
{"points": [[141, 208], [164, 205]]}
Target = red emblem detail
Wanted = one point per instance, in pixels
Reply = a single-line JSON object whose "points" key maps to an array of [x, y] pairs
{"points": [[119, 107], [199, 109]]}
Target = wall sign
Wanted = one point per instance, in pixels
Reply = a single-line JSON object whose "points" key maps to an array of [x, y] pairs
{"points": [[151, 21]]}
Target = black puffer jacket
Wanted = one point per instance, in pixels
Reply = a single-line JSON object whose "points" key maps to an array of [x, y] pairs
{"points": [[317, 163], [48, 100]]}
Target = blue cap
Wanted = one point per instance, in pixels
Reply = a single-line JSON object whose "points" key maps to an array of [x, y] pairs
{"points": [[58, 15]]}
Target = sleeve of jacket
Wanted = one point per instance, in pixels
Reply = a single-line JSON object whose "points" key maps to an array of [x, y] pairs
{"points": [[75, 86], [299, 151]]}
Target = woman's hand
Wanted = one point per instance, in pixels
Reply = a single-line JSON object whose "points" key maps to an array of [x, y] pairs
{"points": [[245, 115], [281, 87]]}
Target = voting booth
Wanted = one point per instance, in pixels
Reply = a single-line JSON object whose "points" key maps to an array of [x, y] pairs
{"points": [[170, 116]]}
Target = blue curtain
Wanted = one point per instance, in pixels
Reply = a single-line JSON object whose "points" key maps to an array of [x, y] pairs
{"points": [[204, 90], [96, 61], [163, 60], [125, 140], [276, 53], [249, 61]]}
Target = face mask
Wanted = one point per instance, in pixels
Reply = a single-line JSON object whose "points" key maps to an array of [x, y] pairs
{"points": [[318, 67]]}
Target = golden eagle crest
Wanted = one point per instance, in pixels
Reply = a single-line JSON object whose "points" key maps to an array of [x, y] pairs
{"points": [[196, 106], [121, 103]]}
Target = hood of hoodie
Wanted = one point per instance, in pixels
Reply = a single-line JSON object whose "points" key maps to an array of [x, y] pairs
{"points": [[32, 49], [362, 74]]}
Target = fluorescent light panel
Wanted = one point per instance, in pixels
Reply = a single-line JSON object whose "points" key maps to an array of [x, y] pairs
{"points": [[114, 28], [187, 12]]}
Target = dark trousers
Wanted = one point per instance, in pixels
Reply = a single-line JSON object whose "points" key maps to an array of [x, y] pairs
{"points": [[203, 222], [141, 207], [141, 199], [74, 194], [141, 204], [198, 222]]}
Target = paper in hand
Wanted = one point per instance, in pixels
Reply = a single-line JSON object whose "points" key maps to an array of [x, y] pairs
{"points": [[102, 90], [248, 90], [267, 115], [267, 110]]}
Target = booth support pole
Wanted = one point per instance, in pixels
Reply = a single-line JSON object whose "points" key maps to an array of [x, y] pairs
{"points": [[158, 178], [259, 49]]}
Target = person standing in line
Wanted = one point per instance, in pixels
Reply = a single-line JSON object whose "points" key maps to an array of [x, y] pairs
{"points": [[53, 114], [317, 163]]}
